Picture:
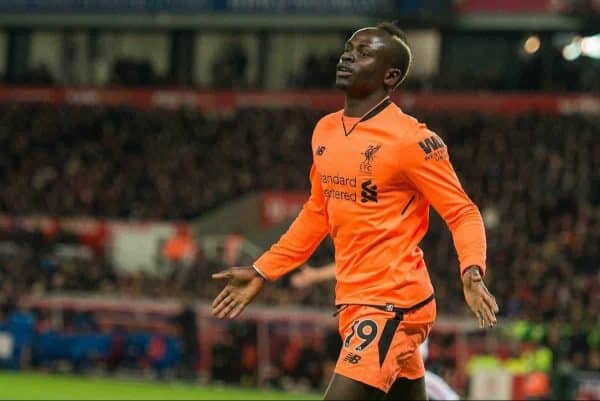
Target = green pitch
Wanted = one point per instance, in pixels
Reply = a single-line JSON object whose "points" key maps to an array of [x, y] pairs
{"points": [[33, 386]]}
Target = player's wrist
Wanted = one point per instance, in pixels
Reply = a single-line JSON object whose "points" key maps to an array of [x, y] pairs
{"points": [[471, 272], [258, 272]]}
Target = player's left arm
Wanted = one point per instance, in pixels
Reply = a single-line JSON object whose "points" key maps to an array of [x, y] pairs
{"points": [[429, 169]]}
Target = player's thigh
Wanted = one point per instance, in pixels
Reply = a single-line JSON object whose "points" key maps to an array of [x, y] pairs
{"points": [[407, 389], [343, 388]]}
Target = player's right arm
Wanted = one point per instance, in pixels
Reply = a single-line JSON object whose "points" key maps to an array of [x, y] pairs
{"points": [[301, 239], [293, 249]]}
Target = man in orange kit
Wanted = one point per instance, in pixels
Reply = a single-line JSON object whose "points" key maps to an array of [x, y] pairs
{"points": [[375, 172]]}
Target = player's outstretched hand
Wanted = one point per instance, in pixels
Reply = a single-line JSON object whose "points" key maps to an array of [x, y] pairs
{"points": [[482, 303], [244, 284], [305, 277]]}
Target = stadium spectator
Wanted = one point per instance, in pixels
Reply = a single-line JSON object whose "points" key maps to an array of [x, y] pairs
{"points": [[180, 250], [232, 248], [188, 333], [226, 364], [229, 68]]}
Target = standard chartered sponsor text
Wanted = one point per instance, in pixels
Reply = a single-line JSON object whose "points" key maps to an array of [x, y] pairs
{"points": [[343, 193], [338, 180]]}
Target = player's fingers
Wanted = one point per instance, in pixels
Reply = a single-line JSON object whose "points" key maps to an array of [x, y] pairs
{"points": [[490, 301], [488, 314], [227, 309], [226, 274], [217, 310], [237, 310], [487, 298], [495, 306], [480, 321], [219, 298], [483, 317]]}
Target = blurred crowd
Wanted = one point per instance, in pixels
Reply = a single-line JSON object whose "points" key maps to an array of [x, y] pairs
{"points": [[535, 178], [150, 165]]}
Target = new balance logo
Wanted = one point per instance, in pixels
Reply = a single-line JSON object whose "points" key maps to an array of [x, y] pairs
{"points": [[352, 358], [320, 150], [369, 192], [430, 144]]}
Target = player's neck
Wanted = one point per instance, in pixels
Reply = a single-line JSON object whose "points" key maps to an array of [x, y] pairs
{"points": [[358, 107]]}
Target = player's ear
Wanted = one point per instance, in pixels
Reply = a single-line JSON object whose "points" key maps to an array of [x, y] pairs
{"points": [[393, 78]]}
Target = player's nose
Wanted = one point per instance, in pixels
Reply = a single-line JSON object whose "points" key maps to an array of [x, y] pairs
{"points": [[346, 57]]}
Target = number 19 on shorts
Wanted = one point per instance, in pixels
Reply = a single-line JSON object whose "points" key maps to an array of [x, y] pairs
{"points": [[366, 331]]}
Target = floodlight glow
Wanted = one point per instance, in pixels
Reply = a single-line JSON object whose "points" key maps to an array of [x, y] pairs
{"points": [[532, 44], [590, 46], [573, 50]]}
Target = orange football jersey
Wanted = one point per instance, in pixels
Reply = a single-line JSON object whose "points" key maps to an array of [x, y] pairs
{"points": [[370, 190]]}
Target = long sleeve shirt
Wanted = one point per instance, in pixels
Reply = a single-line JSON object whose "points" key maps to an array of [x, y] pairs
{"points": [[371, 190]]}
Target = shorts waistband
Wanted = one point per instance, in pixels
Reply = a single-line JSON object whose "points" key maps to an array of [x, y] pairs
{"points": [[390, 307]]}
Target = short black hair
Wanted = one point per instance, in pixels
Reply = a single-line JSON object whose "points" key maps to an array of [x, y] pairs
{"points": [[403, 57]]}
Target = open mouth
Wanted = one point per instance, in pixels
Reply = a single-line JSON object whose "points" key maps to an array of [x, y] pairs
{"points": [[343, 71]]}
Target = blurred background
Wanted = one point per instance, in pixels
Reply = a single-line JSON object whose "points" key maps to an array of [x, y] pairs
{"points": [[147, 144]]}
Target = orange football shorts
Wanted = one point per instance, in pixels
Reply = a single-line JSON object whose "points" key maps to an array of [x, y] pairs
{"points": [[379, 346]]}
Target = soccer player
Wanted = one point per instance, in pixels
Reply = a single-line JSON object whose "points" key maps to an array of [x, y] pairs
{"points": [[375, 172], [435, 387]]}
